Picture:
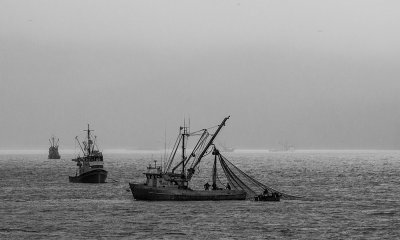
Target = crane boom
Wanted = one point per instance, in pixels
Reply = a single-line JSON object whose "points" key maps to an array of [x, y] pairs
{"points": [[191, 169]]}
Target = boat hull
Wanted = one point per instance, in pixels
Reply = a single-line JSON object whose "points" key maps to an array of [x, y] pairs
{"points": [[144, 192], [264, 198], [93, 176], [54, 156], [53, 153]]}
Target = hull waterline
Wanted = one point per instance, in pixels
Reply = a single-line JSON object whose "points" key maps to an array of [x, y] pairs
{"points": [[144, 192], [54, 156], [93, 176]]}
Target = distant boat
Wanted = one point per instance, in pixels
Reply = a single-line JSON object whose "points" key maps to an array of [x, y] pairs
{"points": [[172, 183], [53, 149], [285, 147], [90, 165], [224, 148]]}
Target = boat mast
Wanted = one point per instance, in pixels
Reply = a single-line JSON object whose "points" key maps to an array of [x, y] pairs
{"points": [[184, 134], [53, 142], [214, 172], [89, 142], [165, 149]]}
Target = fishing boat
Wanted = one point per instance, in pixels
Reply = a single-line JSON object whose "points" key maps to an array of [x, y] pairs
{"points": [[90, 165], [284, 147], [173, 180], [226, 149], [53, 149], [268, 197]]}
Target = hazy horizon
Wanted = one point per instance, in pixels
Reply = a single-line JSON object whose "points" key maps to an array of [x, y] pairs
{"points": [[318, 75]]}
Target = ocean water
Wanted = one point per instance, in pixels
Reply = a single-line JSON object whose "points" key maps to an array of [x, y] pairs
{"points": [[347, 195]]}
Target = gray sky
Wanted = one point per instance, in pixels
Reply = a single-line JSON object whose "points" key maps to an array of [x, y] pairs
{"points": [[318, 74]]}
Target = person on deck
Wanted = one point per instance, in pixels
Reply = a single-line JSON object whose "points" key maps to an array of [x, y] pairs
{"points": [[265, 192], [228, 186], [206, 186]]}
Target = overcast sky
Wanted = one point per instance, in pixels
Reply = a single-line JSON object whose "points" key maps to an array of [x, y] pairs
{"points": [[318, 74]]}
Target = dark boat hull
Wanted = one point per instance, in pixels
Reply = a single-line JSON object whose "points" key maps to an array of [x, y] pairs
{"points": [[269, 198], [53, 153], [93, 176], [144, 192], [54, 156]]}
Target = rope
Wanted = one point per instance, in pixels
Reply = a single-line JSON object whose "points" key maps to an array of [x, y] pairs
{"points": [[251, 182], [113, 180], [235, 181]]}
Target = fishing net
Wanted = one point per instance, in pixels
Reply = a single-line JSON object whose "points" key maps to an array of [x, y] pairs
{"points": [[240, 180]]}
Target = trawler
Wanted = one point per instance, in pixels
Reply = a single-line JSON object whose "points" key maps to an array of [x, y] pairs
{"points": [[53, 149], [173, 180], [284, 147], [172, 183], [226, 149], [90, 165]]}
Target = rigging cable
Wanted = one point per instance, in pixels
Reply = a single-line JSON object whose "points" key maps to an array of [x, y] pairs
{"points": [[172, 155], [258, 186]]}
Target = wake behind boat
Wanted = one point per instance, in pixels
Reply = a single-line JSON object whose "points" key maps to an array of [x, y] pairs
{"points": [[90, 165]]}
